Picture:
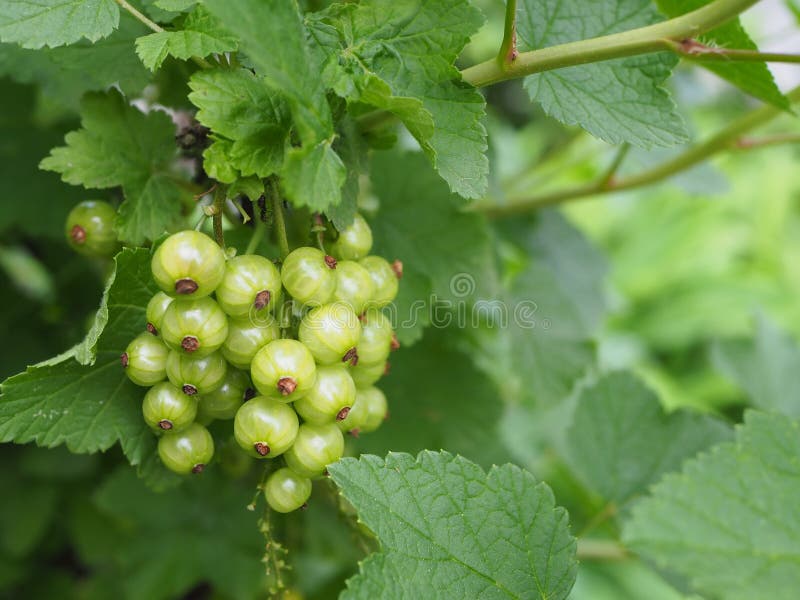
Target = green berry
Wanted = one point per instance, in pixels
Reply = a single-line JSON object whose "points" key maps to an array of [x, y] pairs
{"points": [[307, 274], [354, 286], [355, 240], [331, 397], [90, 228], [246, 337], [145, 360], [252, 284], [223, 402], [188, 263], [368, 412], [166, 408], [265, 428], [315, 447], [331, 333], [155, 311], [186, 451], [196, 375], [286, 491], [385, 277], [195, 326], [377, 338], [364, 375], [284, 370]]}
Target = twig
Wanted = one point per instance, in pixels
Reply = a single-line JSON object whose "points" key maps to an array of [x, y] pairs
{"points": [[508, 48], [601, 550]]}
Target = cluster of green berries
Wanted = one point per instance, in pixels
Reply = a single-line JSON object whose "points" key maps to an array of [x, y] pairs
{"points": [[214, 349]]}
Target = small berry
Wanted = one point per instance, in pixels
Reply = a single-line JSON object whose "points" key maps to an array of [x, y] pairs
{"points": [[223, 402], [166, 408], [331, 397], [283, 370], [367, 413], [265, 428], [308, 276], [246, 337], [385, 279], [196, 375], [90, 228], [188, 263], [364, 375], [331, 332], [286, 491], [186, 451], [196, 326], [251, 284], [354, 286], [155, 311], [354, 241], [376, 338], [315, 447], [145, 360]]}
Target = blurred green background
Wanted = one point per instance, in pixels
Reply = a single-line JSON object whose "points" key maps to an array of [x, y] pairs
{"points": [[708, 258]]}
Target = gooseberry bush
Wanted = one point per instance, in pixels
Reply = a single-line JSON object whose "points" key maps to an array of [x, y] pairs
{"points": [[345, 344]]}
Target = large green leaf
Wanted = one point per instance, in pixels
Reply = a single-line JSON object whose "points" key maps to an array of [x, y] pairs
{"points": [[82, 398], [618, 100], [37, 23], [120, 145], [398, 56], [448, 529], [621, 440], [767, 367], [730, 521]]}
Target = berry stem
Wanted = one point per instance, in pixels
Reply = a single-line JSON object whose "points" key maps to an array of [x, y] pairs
{"points": [[219, 205], [280, 223], [258, 235], [508, 48], [601, 550], [727, 138], [643, 40]]}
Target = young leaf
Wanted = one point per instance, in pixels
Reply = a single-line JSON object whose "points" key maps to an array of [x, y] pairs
{"points": [[120, 145], [238, 106], [37, 23], [274, 38], [729, 521], [88, 407], [767, 368], [473, 534], [753, 78], [619, 100], [621, 440], [398, 56], [200, 36]]}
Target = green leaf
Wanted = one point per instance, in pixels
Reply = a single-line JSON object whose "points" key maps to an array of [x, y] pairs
{"points": [[175, 5], [618, 100], [753, 78], [537, 335], [398, 56], [200, 36], [166, 544], [448, 248], [767, 367], [313, 176], [119, 145], [621, 440], [89, 407], [353, 150], [272, 34], [428, 409], [473, 534], [37, 23], [240, 107], [729, 521], [65, 73]]}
